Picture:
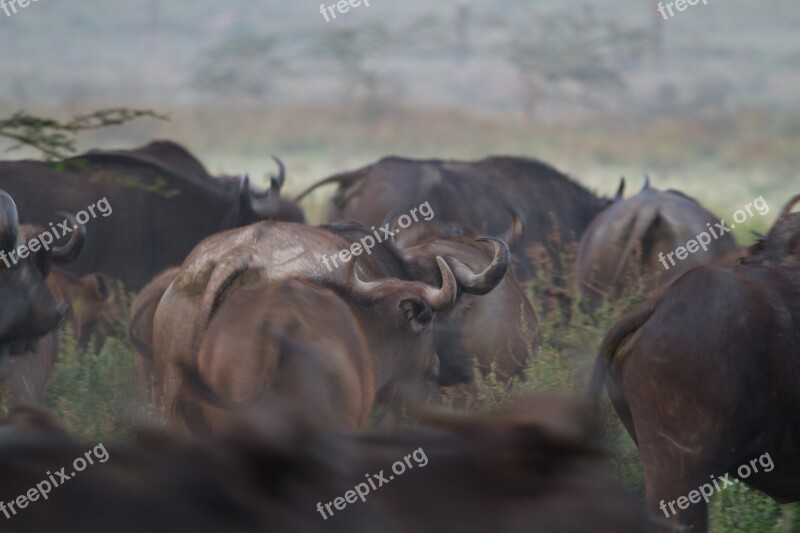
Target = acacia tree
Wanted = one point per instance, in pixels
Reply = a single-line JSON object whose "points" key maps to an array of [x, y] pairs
{"points": [[56, 139]]}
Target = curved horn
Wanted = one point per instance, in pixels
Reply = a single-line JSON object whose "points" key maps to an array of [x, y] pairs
{"points": [[438, 299], [788, 207], [484, 282], [620, 189], [9, 222], [444, 297], [646, 182], [281, 177], [250, 201], [513, 235], [70, 251]]}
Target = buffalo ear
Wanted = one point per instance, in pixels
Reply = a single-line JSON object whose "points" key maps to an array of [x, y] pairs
{"points": [[417, 314]]}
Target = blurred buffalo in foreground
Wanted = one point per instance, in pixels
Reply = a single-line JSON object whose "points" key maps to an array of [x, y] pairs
{"points": [[633, 241], [705, 376], [536, 467]]}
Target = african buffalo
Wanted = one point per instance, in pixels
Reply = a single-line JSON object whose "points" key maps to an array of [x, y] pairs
{"points": [[140, 328], [705, 376], [395, 314], [94, 305], [539, 466], [631, 240], [28, 309], [159, 214], [171, 155], [29, 321], [291, 338], [95, 302], [473, 195], [178, 159], [492, 325], [23, 378]]}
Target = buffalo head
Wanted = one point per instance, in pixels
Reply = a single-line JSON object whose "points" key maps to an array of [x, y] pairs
{"points": [[253, 206], [28, 309], [485, 326], [400, 314]]}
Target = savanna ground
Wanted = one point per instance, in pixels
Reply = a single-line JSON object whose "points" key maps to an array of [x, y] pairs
{"points": [[711, 111]]}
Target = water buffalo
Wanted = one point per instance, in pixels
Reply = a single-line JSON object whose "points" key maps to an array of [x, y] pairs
{"points": [[28, 310], [395, 314], [705, 376], [631, 241], [473, 195], [140, 328], [156, 214], [291, 338]]}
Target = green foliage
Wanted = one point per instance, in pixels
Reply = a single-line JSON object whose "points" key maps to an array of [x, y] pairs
{"points": [[739, 509], [95, 392], [56, 139]]}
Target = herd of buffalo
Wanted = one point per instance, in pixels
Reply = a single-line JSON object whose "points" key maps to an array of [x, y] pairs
{"points": [[268, 364]]}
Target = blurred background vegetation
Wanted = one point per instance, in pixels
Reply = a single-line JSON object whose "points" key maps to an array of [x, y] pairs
{"points": [[705, 102]]}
